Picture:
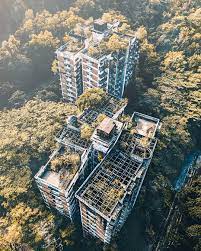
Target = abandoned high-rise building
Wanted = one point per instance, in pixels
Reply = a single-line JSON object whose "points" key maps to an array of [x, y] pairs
{"points": [[70, 68], [99, 177], [108, 195], [71, 163], [105, 59], [65, 169]]}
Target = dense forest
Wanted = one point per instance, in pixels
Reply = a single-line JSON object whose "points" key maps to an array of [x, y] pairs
{"points": [[166, 85]]}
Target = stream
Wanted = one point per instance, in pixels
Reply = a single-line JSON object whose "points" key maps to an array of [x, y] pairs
{"points": [[186, 167]]}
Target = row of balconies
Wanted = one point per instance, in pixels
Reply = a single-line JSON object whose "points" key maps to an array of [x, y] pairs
{"points": [[94, 72]]}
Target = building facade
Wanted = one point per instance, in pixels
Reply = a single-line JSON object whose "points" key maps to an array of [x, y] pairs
{"points": [[109, 194], [94, 65], [64, 172], [99, 178], [70, 68]]}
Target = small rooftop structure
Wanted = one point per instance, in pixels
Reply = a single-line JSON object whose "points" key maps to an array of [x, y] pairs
{"points": [[145, 125], [106, 127], [106, 134], [100, 25]]}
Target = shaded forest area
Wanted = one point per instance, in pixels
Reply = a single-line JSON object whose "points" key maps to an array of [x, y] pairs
{"points": [[166, 85], [12, 12]]}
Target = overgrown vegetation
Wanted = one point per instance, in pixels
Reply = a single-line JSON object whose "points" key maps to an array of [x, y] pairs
{"points": [[90, 98], [166, 86], [26, 136], [66, 160]]}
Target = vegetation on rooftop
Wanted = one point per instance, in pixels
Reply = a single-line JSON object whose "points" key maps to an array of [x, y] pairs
{"points": [[73, 45], [166, 85], [99, 119], [144, 142], [115, 191], [110, 194], [67, 160], [86, 131], [114, 43], [91, 98]]}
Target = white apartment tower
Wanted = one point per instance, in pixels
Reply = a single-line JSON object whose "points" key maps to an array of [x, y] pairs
{"points": [[70, 68], [92, 64]]}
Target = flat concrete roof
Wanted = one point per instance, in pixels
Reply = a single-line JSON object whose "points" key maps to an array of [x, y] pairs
{"points": [[52, 177], [145, 127], [106, 125]]}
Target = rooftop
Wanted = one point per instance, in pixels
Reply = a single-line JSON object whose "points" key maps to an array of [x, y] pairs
{"points": [[145, 125], [74, 44], [111, 42], [109, 182], [97, 44], [109, 107], [107, 125], [52, 178], [62, 167], [136, 145], [70, 135]]}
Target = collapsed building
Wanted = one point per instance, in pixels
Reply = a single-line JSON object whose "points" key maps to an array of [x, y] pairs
{"points": [[91, 61], [99, 178]]}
